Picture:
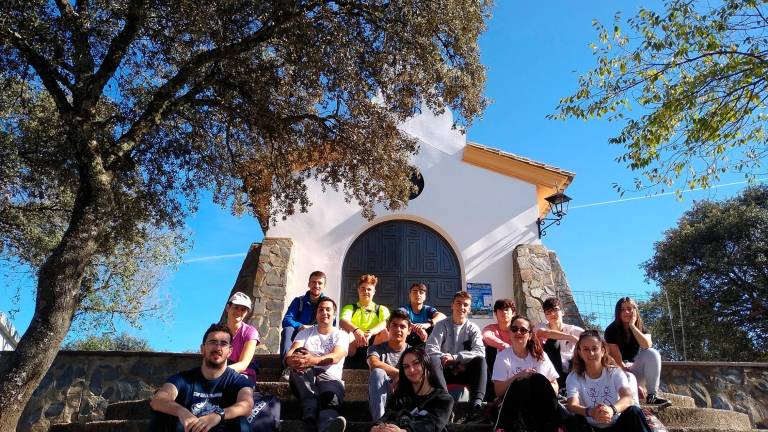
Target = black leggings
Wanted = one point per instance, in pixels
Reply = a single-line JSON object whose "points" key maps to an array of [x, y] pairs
{"points": [[533, 401], [631, 420]]}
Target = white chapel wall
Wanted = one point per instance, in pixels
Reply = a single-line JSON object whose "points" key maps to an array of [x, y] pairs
{"points": [[481, 213]]}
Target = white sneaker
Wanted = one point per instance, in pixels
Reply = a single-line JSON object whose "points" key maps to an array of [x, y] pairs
{"points": [[286, 375], [337, 424]]}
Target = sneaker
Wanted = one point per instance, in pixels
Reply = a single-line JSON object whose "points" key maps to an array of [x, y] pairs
{"points": [[476, 415], [652, 399], [286, 375], [337, 424]]}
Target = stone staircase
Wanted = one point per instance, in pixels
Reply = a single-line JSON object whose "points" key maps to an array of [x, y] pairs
{"points": [[133, 416]]}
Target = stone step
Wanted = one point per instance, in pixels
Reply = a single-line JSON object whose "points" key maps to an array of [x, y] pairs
{"points": [[350, 376], [700, 417], [357, 410], [296, 426], [678, 400], [290, 409]]}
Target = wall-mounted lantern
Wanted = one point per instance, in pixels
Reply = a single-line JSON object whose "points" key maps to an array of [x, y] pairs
{"points": [[558, 205]]}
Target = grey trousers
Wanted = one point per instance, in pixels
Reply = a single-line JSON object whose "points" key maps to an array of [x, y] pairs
{"points": [[379, 389], [647, 369], [321, 396]]}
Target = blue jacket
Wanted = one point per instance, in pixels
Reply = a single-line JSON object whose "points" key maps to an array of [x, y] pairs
{"points": [[297, 316]]}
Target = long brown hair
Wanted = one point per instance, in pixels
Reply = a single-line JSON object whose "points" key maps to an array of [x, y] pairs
{"points": [[534, 345], [577, 363], [617, 315]]}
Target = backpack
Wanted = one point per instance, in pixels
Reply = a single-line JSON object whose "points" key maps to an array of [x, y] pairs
{"points": [[355, 307], [265, 416]]}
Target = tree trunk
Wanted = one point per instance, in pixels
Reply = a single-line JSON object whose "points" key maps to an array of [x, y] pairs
{"points": [[58, 284]]}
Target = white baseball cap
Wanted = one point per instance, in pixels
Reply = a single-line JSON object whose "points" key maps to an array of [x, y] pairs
{"points": [[241, 299]]}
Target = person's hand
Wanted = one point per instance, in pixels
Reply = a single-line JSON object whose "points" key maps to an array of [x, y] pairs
{"points": [[572, 338], [633, 321], [305, 326], [204, 423], [187, 420], [366, 337], [360, 339], [601, 413], [447, 360], [386, 427], [420, 332], [523, 374]]}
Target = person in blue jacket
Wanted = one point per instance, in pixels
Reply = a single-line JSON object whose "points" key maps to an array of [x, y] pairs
{"points": [[301, 312]]}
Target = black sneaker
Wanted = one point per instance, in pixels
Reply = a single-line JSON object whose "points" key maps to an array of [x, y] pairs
{"points": [[476, 415], [337, 424], [656, 401]]}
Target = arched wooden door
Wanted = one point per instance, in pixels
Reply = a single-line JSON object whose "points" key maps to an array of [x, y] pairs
{"points": [[401, 253]]}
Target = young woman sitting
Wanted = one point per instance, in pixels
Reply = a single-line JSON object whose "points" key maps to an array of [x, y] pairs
{"points": [[598, 391], [630, 344], [418, 404], [245, 337], [528, 382]]}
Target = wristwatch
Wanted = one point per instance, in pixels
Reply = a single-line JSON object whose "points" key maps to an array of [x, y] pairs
{"points": [[220, 412]]}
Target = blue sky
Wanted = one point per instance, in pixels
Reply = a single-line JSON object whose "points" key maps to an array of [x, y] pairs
{"points": [[534, 52]]}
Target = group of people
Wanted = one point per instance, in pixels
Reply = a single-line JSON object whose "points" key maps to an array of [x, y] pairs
{"points": [[545, 377]]}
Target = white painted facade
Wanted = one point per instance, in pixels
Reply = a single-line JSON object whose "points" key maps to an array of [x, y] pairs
{"points": [[482, 214], [9, 337]]}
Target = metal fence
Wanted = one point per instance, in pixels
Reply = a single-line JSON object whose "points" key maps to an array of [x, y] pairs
{"points": [[597, 307]]}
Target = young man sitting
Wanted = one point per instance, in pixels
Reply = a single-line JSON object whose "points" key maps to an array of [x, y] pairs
{"points": [[457, 353], [423, 317], [365, 321], [559, 339], [301, 313], [382, 359], [316, 360], [210, 397]]}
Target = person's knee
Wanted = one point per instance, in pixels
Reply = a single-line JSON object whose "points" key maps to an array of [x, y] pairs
{"points": [[329, 400], [654, 355], [633, 411], [377, 376]]}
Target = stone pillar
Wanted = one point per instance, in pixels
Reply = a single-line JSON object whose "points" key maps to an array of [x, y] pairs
{"points": [[537, 277], [272, 273], [264, 277]]}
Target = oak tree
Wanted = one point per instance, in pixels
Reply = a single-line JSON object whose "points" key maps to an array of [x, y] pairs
{"points": [[713, 269], [688, 84], [116, 114]]}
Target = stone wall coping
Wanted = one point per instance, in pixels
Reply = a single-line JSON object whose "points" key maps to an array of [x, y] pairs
{"points": [[713, 364]]}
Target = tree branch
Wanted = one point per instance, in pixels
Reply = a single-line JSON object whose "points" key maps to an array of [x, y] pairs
{"points": [[117, 50], [84, 60], [45, 70], [158, 107]]}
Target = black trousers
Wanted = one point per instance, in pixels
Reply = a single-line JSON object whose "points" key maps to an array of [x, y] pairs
{"points": [[631, 420], [162, 422], [552, 349], [474, 375], [533, 402], [490, 358]]}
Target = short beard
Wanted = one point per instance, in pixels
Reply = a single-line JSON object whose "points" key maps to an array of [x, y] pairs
{"points": [[212, 364]]}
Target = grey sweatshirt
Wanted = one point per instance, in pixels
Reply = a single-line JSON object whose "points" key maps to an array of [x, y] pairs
{"points": [[464, 341]]}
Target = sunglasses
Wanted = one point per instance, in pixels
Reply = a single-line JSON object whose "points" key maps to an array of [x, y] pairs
{"points": [[515, 329]]}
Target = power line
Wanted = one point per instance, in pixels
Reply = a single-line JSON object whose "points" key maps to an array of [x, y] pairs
{"points": [[663, 194]]}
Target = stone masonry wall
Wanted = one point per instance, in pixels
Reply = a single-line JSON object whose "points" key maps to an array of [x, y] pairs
{"points": [[79, 385], [275, 262], [538, 276], [263, 276], [741, 387]]}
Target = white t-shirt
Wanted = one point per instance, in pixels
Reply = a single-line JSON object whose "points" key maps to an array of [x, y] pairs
{"points": [[593, 392], [566, 347], [508, 364], [320, 344]]}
